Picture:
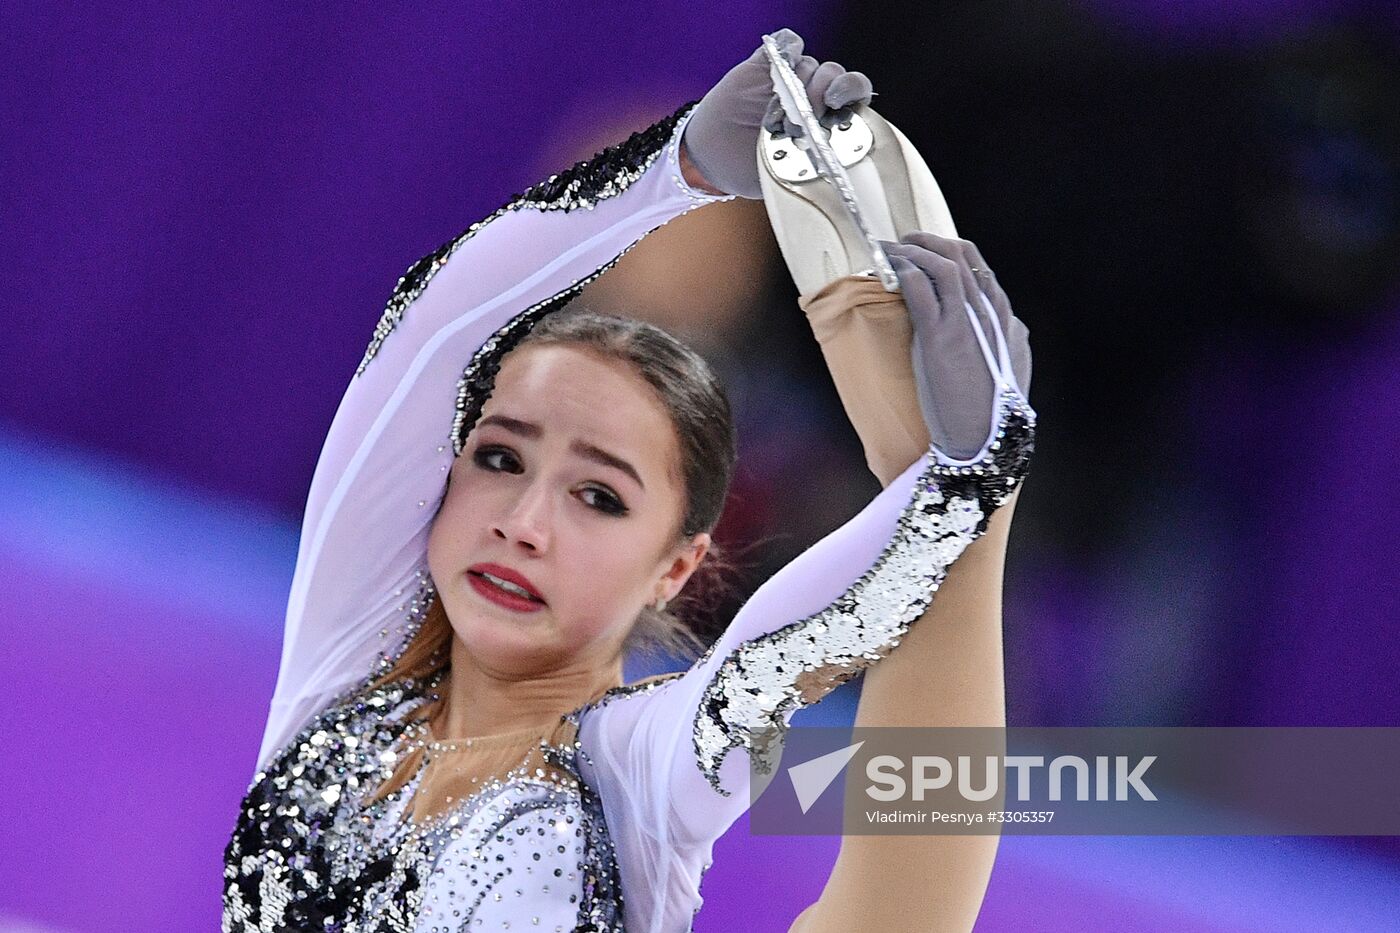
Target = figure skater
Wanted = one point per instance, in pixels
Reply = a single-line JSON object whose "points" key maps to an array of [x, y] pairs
{"points": [[510, 494]]}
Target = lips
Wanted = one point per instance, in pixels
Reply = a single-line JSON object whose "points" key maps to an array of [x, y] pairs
{"points": [[477, 571]]}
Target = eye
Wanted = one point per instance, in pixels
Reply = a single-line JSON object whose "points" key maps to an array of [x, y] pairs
{"points": [[501, 460], [483, 458], [605, 502]]}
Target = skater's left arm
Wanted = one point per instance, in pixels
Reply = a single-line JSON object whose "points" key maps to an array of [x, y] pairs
{"points": [[947, 670]]}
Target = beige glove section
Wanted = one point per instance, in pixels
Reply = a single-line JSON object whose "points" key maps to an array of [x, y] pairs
{"points": [[866, 337]]}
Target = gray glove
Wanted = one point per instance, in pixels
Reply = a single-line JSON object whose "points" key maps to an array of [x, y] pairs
{"points": [[724, 127], [956, 389]]}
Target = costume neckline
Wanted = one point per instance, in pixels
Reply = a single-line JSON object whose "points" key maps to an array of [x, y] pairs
{"points": [[512, 737], [494, 740]]}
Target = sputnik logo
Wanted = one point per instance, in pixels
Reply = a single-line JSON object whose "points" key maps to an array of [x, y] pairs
{"points": [[811, 778]]}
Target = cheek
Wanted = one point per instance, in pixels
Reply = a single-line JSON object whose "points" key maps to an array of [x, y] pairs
{"points": [[610, 577], [435, 547], [448, 530]]}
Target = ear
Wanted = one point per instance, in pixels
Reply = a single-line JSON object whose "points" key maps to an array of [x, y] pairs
{"points": [[682, 565]]}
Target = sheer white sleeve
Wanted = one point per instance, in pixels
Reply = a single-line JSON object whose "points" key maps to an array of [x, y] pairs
{"points": [[671, 758], [361, 574]]}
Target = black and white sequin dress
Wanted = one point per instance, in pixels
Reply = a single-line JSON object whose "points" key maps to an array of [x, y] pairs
{"points": [[612, 822]]}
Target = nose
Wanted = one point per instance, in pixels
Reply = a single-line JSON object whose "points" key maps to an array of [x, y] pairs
{"points": [[527, 521]]}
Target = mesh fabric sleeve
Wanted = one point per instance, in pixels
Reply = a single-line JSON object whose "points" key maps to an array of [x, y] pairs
{"points": [[361, 574]]}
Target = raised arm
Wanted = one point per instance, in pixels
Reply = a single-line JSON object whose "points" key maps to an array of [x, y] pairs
{"points": [[948, 669], [361, 570]]}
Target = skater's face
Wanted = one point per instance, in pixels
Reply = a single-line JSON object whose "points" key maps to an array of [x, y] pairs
{"points": [[572, 478]]}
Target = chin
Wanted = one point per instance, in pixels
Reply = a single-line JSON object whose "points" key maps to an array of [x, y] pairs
{"points": [[506, 644]]}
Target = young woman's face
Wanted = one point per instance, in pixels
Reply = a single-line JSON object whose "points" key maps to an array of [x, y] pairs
{"points": [[571, 479]]}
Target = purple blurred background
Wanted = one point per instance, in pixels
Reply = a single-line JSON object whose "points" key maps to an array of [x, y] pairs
{"points": [[1195, 207]]}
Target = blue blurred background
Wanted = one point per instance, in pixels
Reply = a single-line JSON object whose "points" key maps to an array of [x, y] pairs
{"points": [[1194, 205]]}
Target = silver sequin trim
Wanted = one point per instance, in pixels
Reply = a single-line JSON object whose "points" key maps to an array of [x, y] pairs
{"points": [[582, 186], [479, 376], [309, 852], [745, 703]]}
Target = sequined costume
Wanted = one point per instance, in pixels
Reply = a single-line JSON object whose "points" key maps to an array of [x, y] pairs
{"points": [[611, 820]]}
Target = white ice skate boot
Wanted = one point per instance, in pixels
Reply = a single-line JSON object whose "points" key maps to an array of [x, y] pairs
{"points": [[893, 186]]}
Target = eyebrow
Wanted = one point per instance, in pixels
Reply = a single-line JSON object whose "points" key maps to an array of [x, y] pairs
{"points": [[582, 448]]}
